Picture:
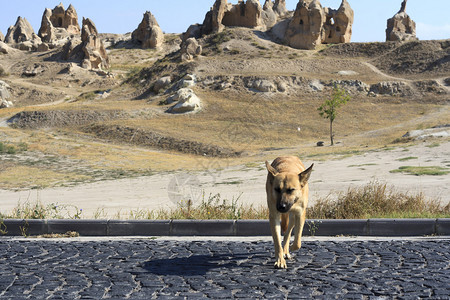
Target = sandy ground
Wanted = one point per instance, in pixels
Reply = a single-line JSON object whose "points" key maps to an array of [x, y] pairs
{"points": [[247, 184]]}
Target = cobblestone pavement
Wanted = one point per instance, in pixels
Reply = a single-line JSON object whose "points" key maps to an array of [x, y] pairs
{"points": [[146, 268]]}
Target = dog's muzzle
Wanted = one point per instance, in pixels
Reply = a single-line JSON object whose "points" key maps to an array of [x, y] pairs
{"points": [[283, 207]]}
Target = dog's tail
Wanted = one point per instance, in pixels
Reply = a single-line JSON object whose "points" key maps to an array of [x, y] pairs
{"points": [[284, 222]]}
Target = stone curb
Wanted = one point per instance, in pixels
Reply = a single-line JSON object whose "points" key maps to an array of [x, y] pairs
{"points": [[364, 227]]}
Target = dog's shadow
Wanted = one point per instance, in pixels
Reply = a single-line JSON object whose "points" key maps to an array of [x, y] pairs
{"points": [[197, 264]]}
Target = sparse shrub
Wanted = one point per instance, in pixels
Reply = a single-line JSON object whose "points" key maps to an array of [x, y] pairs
{"points": [[376, 200]]}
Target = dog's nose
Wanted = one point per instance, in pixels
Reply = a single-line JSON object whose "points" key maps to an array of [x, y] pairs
{"points": [[283, 207]]}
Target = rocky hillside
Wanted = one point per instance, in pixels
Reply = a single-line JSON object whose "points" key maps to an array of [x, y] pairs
{"points": [[237, 94]]}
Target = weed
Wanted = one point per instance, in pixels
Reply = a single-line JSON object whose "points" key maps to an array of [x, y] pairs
{"points": [[362, 165], [24, 228], [12, 149], [313, 226], [38, 210], [419, 171], [68, 234], [433, 145], [407, 158], [3, 228]]}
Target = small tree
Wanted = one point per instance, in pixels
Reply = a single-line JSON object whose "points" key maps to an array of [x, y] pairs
{"points": [[328, 109]]}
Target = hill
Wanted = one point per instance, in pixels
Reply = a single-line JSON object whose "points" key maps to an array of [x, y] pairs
{"points": [[259, 99]]}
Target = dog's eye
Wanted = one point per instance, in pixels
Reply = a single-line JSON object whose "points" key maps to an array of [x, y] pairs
{"points": [[278, 190], [290, 191]]}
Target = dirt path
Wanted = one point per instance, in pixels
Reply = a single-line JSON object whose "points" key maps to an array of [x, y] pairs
{"points": [[379, 72], [108, 198]]}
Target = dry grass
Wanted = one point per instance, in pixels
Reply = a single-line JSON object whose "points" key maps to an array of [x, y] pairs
{"points": [[377, 200], [37, 210], [212, 207]]}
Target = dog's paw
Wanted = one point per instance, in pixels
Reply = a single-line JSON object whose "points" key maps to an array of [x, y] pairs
{"points": [[295, 247], [280, 263], [287, 256]]}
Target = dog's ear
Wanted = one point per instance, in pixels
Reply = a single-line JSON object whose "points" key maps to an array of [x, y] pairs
{"points": [[271, 169], [304, 176]]}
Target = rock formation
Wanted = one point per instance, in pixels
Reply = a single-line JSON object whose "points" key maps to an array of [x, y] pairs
{"points": [[148, 33], [213, 18], [58, 23], [338, 24], [401, 27], [2, 37], [20, 32], [190, 49], [22, 36], [5, 95], [95, 56], [305, 28], [313, 25], [244, 14], [187, 101], [279, 8]]}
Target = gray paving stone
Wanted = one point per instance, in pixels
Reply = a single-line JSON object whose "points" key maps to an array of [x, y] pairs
{"points": [[145, 269]]}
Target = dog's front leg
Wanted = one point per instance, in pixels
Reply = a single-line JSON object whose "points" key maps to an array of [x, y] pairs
{"points": [[275, 228], [299, 223], [287, 237]]}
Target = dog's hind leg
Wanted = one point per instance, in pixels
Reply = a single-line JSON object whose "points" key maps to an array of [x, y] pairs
{"points": [[299, 223]]}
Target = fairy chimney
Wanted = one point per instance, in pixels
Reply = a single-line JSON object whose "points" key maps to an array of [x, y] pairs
{"points": [[305, 28], [95, 56], [20, 32], [401, 27], [338, 24], [148, 33]]}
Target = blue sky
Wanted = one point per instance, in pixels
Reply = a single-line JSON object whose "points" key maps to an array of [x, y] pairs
{"points": [[175, 16]]}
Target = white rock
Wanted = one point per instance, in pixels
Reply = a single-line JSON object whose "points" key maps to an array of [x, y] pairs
{"points": [[264, 85], [347, 73], [187, 101]]}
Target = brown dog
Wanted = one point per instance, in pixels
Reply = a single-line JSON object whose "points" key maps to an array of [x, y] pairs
{"points": [[287, 195]]}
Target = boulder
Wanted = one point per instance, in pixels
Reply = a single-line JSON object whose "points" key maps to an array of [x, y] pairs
{"points": [[5, 95], [187, 102], [148, 33], [391, 88], [190, 49], [401, 27], [20, 32], [264, 85], [5, 49], [95, 56], [194, 31], [161, 84]]}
